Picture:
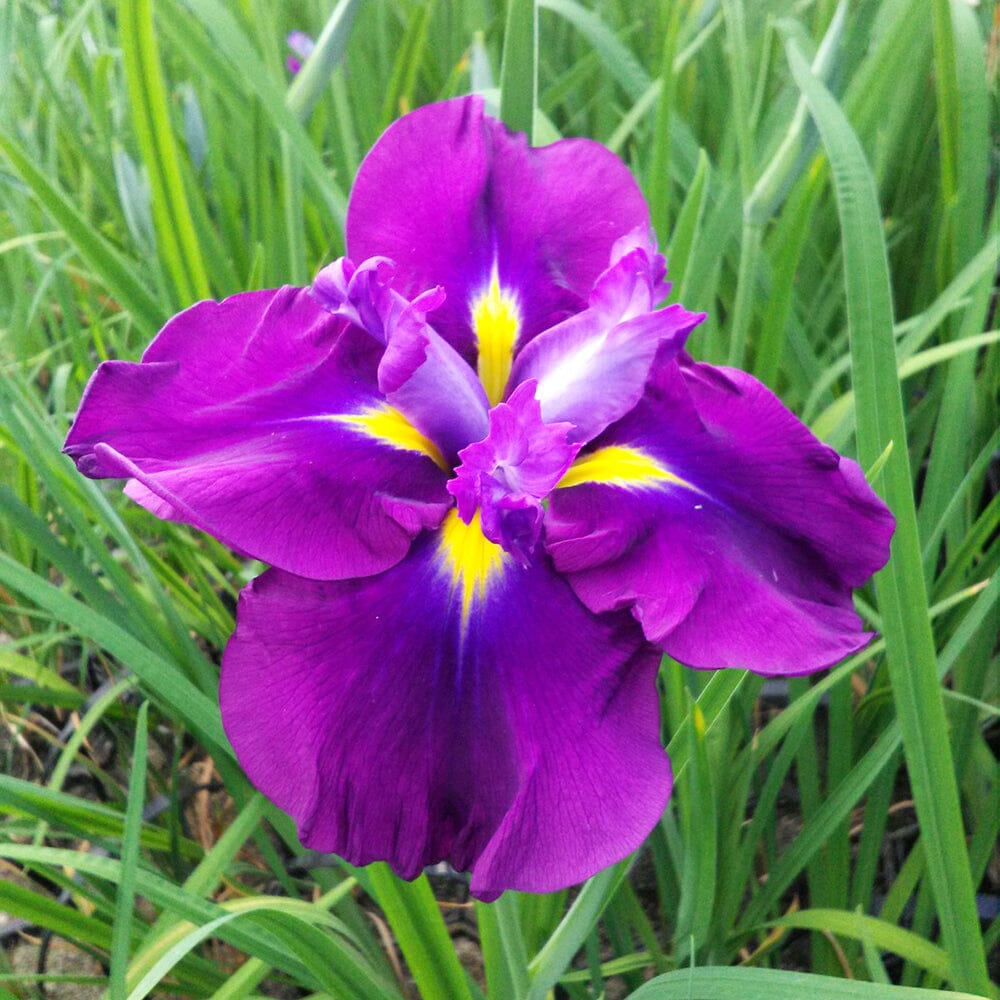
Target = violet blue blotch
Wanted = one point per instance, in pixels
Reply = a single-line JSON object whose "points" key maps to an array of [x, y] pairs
{"points": [[493, 488]]}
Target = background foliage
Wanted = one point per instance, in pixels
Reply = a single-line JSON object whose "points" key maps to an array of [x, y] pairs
{"points": [[822, 178]]}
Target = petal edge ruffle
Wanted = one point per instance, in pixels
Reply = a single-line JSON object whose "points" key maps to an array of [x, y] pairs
{"points": [[504, 728], [547, 217], [744, 552], [228, 424]]}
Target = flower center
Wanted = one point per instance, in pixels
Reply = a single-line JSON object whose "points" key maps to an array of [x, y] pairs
{"points": [[503, 479]]}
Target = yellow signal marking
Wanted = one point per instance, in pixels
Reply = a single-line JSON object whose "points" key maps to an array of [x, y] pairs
{"points": [[388, 425], [470, 557], [620, 466], [496, 320]]}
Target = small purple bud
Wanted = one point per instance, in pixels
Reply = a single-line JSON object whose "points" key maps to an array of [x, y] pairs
{"points": [[302, 46]]}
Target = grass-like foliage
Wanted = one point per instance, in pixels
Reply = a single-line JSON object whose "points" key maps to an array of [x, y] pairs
{"points": [[823, 179]]}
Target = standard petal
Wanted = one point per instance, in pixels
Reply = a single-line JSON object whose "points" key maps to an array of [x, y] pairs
{"points": [[258, 420], [456, 707], [733, 533], [426, 379], [592, 368], [361, 293], [454, 198], [420, 373]]}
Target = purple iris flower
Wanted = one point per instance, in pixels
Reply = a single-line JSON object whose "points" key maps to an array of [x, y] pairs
{"points": [[302, 46], [493, 488]]}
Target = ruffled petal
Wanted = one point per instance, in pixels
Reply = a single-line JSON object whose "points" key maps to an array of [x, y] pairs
{"points": [[457, 707], [420, 373], [592, 368], [454, 198], [361, 294], [426, 379], [734, 535], [258, 419], [508, 474]]}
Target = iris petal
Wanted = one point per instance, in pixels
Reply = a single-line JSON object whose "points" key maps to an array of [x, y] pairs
{"points": [[741, 547], [421, 374], [457, 707], [591, 369], [361, 294], [230, 422], [429, 381], [449, 194]]}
